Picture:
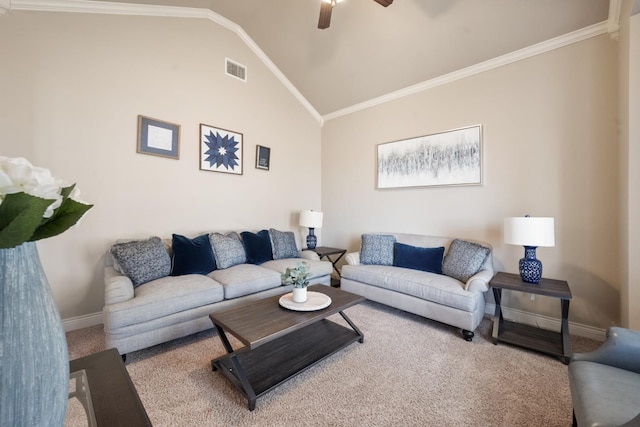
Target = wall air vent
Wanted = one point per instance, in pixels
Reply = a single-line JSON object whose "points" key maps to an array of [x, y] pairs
{"points": [[236, 70]]}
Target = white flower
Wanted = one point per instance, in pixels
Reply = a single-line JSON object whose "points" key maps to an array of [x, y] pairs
{"points": [[19, 175], [33, 204]]}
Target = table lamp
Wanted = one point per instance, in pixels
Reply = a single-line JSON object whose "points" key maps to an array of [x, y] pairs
{"points": [[312, 220], [529, 232]]}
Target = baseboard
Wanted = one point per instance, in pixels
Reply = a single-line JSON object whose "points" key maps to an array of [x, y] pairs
{"points": [[546, 322], [79, 322]]}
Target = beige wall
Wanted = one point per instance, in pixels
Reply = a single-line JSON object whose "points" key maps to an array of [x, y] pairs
{"points": [[72, 85], [71, 88], [550, 149]]}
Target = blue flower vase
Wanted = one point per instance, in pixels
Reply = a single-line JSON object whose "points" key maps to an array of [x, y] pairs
{"points": [[34, 360]]}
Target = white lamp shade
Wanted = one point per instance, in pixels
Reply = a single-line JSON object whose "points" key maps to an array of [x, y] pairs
{"points": [[529, 231], [311, 219]]}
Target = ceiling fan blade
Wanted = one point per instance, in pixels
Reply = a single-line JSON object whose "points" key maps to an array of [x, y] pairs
{"points": [[384, 3], [325, 15]]}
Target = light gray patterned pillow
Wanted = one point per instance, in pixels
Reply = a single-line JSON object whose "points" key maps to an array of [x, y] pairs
{"points": [[283, 244], [142, 260], [227, 249], [464, 259], [377, 249]]}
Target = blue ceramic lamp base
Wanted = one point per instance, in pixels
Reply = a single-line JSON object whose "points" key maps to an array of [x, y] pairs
{"points": [[530, 267], [312, 240]]}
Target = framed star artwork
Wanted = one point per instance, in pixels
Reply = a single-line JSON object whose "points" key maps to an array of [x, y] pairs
{"points": [[220, 150]]}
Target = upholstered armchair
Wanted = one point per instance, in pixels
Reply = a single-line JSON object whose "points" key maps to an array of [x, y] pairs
{"points": [[605, 383]]}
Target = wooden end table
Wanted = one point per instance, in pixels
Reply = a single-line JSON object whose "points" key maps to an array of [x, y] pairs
{"points": [[113, 399], [326, 251], [531, 337]]}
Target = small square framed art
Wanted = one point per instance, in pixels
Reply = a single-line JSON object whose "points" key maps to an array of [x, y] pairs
{"points": [[263, 157], [158, 138]]}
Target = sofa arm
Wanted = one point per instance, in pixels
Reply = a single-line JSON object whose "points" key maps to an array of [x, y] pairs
{"points": [[310, 255], [621, 350], [117, 287], [352, 258], [479, 282]]}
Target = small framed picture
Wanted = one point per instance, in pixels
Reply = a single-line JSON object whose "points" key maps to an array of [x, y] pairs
{"points": [[262, 157], [158, 138], [220, 150]]}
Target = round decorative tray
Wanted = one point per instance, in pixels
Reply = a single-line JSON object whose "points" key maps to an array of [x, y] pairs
{"points": [[315, 301]]}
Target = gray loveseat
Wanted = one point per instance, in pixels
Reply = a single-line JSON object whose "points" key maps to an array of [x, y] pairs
{"points": [[440, 278], [157, 291]]}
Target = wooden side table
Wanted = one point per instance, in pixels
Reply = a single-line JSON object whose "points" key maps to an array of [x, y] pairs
{"points": [[326, 251], [531, 337], [114, 399]]}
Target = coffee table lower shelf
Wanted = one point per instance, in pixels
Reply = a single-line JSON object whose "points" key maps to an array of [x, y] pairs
{"points": [[255, 372]]}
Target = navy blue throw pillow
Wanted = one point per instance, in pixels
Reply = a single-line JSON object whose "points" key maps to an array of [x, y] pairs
{"points": [[257, 246], [192, 256], [416, 258]]}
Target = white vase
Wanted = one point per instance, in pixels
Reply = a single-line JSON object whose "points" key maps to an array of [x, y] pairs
{"points": [[300, 294], [34, 361]]}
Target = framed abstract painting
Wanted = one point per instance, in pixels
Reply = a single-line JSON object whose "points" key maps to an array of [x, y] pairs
{"points": [[447, 158], [220, 150]]}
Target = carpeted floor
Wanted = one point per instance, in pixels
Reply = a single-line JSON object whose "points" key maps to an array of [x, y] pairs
{"points": [[409, 371]]}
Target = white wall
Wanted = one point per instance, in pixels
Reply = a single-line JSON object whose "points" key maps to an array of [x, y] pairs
{"points": [[71, 88], [550, 148]]}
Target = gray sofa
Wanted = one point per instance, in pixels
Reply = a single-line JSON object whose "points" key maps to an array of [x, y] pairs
{"points": [[457, 301], [148, 301], [605, 383]]}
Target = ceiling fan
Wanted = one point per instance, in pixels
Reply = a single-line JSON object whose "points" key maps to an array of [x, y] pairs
{"points": [[326, 6]]}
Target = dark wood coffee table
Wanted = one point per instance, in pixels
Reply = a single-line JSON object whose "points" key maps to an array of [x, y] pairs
{"points": [[280, 343]]}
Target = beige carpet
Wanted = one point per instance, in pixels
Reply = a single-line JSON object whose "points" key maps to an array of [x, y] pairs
{"points": [[409, 371]]}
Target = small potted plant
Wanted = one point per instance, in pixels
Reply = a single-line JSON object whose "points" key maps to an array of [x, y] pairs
{"points": [[297, 277]]}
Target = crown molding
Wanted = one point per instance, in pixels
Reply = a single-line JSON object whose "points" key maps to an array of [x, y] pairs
{"points": [[5, 5], [83, 6], [509, 58], [108, 8], [613, 23]]}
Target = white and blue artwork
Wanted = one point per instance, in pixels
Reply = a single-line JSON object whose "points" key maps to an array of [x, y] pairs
{"points": [[220, 150], [447, 158]]}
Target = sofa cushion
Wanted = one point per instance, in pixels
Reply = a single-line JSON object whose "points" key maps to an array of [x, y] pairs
{"points": [[283, 244], [191, 256], [165, 296], [257, 246], [464, 259], [377, 249], [316, 268], [245, 279], [425, 259], [142, 260], [421, 284], [227, 249]]}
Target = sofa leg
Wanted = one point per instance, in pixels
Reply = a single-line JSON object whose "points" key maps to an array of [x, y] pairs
{"points": [[467, 335], [124, 358], [575, 423]]}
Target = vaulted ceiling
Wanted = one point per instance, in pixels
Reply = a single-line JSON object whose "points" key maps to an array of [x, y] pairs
{"points": [[370, 50]]}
